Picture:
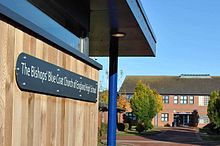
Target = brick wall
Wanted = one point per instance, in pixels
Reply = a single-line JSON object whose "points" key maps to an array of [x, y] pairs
{"points": [[171, 108]]}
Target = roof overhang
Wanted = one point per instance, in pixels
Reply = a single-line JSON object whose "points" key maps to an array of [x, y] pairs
{"points": [[139, 39], [93, 18]]}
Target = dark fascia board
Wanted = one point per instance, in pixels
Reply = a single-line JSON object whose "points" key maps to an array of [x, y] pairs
{"points": [[143, 22], [146, 20], [6, 8]]}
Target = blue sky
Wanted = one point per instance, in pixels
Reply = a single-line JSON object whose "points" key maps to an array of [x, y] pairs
{"points": [[188, 40]]}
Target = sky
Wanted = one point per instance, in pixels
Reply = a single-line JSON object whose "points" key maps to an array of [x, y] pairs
{"points": [[188, 40]]}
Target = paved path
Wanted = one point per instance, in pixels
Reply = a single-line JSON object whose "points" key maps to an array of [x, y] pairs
{"points": [[168, 137]]}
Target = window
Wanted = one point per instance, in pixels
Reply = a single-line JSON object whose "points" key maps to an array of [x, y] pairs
{"points": [[191, 99], [129, 96], [203, 100], [204, 119], [48, 26], [206, 100], [166, 99], [164, 117], [175, 99], [130, 116], [183, 99]]}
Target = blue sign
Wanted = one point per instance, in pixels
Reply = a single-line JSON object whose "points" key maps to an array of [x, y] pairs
{"points": [[35, 75]]}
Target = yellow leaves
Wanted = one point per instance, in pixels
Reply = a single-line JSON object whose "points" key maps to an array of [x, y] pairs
{"points": [[104, 97], [123, 102], [159, 101]]}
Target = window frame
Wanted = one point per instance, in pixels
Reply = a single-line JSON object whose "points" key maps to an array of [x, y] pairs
{"points": [[191, 101], [204, 119], [183, 99], [175, 99], [164, 117], [165, 99], [203, 100], [206, 100]]}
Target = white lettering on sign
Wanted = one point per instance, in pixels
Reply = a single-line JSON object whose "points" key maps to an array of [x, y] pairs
{"points": [[48, 76]]}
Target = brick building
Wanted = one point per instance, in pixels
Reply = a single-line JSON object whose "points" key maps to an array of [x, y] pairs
{"points": [[181, 96]]}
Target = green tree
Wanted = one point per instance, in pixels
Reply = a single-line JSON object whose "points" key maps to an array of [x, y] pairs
{"points": [[144, 105], [214, 108]]}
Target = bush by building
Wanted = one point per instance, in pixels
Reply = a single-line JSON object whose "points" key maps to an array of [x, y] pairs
{"points": [[145, 104], [214, 108]]}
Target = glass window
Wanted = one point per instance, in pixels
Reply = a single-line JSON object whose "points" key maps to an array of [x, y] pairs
{"points": [[204, 119], [206, 101], [203, 100], [166, 99], [35, 16], [129, 96], [175, 99], [164, 117], [130, 116], [191, 99], [183, 99]]}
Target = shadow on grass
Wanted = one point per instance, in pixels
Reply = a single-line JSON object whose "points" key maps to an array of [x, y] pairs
{"points": [[211, 137]]}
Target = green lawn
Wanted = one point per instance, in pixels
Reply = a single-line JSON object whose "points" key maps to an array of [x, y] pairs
{"points": [[204, 133], [208, 137], [132, 132]]}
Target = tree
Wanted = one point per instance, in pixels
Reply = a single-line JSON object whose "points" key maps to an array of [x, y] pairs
{"points": [[194, 118], [123, 102], [145, 104], [159, 101], [104, 97], [214, 108]]}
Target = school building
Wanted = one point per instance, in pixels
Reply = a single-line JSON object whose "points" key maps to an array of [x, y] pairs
{"points": [[181, 95]]}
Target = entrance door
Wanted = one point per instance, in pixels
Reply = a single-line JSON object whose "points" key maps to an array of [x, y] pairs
{"points": [[181, 119]]}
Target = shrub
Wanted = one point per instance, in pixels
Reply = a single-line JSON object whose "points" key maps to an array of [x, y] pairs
{"points": [[140, 127], [210, 129], [194, 119], [121, 127], [126, 126], [213, 108], [167, 125], [102, 130]]}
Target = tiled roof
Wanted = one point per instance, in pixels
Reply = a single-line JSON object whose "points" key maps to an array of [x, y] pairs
{"points": [[174, 85]]}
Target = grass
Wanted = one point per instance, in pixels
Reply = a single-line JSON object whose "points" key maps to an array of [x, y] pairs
{"points": [[135, 133], [210, 137], [207, 136], [102, 144], [131, 132]]}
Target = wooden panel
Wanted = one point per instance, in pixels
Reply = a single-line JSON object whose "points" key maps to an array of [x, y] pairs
{"points": [[30, 119]]}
